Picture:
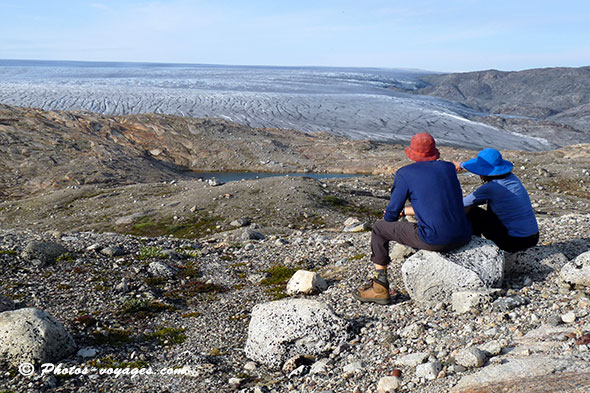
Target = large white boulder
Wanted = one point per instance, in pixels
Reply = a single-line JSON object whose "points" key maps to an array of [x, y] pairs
{"points": [[305, 282], [31, 335], [282, 329], [433, 277], [536, 261], [577, 272]]}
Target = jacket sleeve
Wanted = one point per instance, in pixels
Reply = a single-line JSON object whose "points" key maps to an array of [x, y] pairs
{"points": [[399, 195], [479, 196]]}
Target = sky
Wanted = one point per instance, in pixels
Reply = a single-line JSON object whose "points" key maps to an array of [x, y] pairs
{"points": [[435, 35]]}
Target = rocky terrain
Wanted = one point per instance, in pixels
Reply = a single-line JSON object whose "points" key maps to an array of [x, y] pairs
{"points": [[548, 102], [105, 227]]}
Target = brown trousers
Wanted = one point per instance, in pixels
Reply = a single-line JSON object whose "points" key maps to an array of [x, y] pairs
{"points": [[401, 232]]}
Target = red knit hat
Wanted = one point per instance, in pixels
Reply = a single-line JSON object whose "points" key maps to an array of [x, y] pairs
{"points": [[422, 148]]}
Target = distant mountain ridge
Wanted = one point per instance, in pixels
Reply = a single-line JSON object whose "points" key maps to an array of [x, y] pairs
{"points": [[559, 95]]}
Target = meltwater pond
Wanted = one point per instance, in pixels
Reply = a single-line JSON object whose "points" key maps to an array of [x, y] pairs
{"points": [[226, 177]]}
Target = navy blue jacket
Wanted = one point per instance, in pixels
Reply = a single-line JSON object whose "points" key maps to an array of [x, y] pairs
{"points": [[435, 194]]}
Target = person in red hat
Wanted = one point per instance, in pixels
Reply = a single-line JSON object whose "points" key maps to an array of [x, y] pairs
{"points": [[432, 187]]}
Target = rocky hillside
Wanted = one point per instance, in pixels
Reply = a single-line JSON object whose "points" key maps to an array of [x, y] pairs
{"points": [[546, 102], [42, 150]]}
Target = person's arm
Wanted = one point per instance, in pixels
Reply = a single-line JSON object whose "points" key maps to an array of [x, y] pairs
{"points": [[479, 196], [458, 166], [399, 195]]}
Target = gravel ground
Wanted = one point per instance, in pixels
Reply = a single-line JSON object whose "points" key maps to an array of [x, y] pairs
{"points": [[198, 318]]}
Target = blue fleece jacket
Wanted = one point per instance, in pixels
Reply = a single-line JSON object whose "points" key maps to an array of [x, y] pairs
{"points": [[510, 201], [435, 194]]}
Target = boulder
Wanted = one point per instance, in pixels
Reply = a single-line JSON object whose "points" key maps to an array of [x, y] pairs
{"points": [[535, 261], [432, 277], [305, 282], [250, 234], [44, 252], [31, 335], [533, 374], [577, 272], [282, 329]]}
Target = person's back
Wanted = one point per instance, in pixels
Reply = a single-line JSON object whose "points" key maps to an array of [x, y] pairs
{"points": [[435, 194]]}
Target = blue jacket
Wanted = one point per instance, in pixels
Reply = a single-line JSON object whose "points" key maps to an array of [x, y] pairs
{"points": [[509, 201], [435, 194]]}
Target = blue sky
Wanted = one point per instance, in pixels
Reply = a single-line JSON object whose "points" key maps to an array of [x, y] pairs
{"points": [[451, 35]]}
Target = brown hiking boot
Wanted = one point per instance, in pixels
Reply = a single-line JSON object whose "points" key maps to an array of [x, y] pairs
{"points": [[374, 292]]}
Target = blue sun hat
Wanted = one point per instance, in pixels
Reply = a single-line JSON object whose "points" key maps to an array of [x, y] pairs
{"points": [[489, 162]]}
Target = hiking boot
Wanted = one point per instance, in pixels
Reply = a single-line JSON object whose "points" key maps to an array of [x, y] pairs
{"points": [[374, 292]]}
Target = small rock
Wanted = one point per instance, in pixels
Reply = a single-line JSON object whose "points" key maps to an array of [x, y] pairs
{"points": [[250, 234], [87, 352], [388, 384], [492, 348], [570, 317], [320, 367], [428, 370], [299, 371], [250, 366], [240, 222], [112, 251], [414, 330], [508, 303], [305, 282], [400, 251], [44, 252], [464, 301], [471, 357], [353, 367], [554, 320], [160, 269], [413, 359], [235, 383]]}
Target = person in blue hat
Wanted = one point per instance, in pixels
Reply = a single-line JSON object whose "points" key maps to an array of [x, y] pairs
{"points": [[509, 220]]}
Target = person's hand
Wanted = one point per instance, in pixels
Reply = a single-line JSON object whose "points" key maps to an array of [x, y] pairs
{"points": [[457, 166]]}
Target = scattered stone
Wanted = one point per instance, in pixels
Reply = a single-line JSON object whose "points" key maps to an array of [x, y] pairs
{"points": [[360, 227], [554, 320], [428, 371], [353, 367], [250, 234], [112, 251], [250, 366], [413, 359], [492, 348], [160, 269], [350, 221], [320, 367], [87, 352], [577, 272], [214, 182], [399, 252], [471, 357], [432, 277], [281, 329], [413, 330], [235, 383], [305, 282], [44, 252], [464, 301], [240, 222], [388, 384], [508, 303], [569, 317], [31, 335]]}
